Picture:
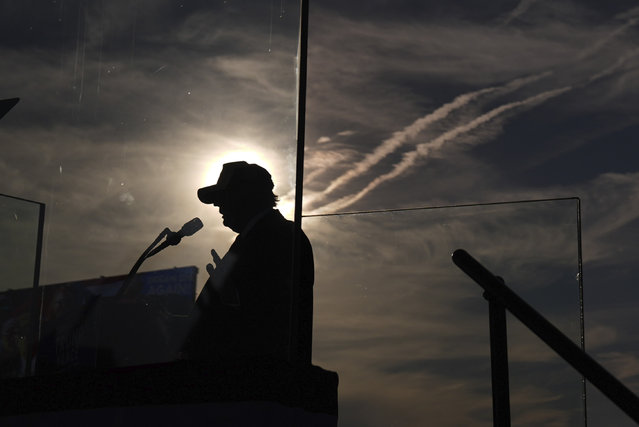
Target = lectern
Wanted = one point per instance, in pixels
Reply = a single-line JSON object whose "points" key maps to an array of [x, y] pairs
{"points": [[104, 360]]}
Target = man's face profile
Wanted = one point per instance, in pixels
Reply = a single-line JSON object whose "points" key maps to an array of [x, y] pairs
{"points": [[232, 210], [242, 191]]}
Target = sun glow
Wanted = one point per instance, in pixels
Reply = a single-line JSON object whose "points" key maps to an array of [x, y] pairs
{"points": [[286, 203], [213, 170]]}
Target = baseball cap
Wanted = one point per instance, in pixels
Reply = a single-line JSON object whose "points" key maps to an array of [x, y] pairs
{"points": [[236, 176]]}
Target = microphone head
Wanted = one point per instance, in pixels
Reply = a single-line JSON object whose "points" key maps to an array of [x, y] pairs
{"points": [[191, 227]]}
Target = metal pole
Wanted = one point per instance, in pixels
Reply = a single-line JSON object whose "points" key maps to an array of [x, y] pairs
{"points": [[294, 351], [582, 326], [499, 362], [36, 298], [610, 386]]}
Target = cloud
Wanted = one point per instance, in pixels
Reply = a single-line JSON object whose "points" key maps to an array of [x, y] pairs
{"points": [[399, 315], [347, 133], [628, 14], [394, 317], [423, 150], [631, 20], [621, 61], [380, 77], [521, 8], [599, 336], [611, 203], [623, 365], [564, 41], [412, 131], [476, 55], [150, 102]]}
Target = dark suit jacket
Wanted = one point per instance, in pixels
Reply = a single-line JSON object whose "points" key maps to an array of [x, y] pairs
{"points": [[261, 275]]}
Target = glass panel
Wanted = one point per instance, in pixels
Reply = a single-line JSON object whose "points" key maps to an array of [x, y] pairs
{"points": [[83, 324], [127, 108], [19, 223], [407, 331], [19, 262]]}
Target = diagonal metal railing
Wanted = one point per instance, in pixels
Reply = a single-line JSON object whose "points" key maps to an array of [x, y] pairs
{"points": [[502, 298]]}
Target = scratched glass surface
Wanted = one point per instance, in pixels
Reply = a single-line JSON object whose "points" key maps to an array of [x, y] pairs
{"points": [[408, 331], [126, 109], [19, 220], [19, 225]]}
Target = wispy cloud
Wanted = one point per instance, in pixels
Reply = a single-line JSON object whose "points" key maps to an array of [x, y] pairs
{"points": [[616, 66], [628, 14], [631, 17], [413, 130], [624, 365], [372, 322], [521, 8], [423, 150]]}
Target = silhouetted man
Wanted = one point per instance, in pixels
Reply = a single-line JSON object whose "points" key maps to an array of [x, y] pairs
{"points": [[244, 308]]}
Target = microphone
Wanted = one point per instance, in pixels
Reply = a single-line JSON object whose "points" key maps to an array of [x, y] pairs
{"points": [[173, 238]]}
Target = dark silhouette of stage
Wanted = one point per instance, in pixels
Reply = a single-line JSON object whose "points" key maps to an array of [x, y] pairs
{"points": [[134, 349]]}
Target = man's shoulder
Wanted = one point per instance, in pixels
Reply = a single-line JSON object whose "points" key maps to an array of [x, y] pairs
{"points": [[273, 227], [274, 221]]}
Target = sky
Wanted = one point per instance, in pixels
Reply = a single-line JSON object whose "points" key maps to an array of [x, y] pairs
{"points": [[128, 107]]}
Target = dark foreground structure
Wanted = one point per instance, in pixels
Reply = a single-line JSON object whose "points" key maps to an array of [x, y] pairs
{"points": [[102, 361], [193, 393]]}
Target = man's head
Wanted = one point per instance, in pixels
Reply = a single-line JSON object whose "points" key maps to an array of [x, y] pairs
{"points": [[242, 191]]}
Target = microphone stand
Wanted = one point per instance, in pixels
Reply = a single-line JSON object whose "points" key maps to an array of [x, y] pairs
{"points": [[124, 289], [127, 281], [129, 278]]}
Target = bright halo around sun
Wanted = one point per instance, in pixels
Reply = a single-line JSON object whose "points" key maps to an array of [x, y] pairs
{"points": [[286, 205], [214, 169], [286, 201]]}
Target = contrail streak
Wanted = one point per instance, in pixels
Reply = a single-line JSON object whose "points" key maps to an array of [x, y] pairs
{"points": [[521, 8], [423, 150], [314, 174], [614, 67], [631, 21], [390, 145]]}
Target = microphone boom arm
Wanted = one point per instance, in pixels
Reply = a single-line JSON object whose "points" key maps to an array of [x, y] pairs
{"points": [[172, 239], [129, 278]]}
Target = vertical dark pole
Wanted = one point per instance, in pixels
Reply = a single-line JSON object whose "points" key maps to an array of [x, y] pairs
{"points": [[36, 269], [580, 280], [294, 350], [36, 297], [596, 374], [499, 363]]}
